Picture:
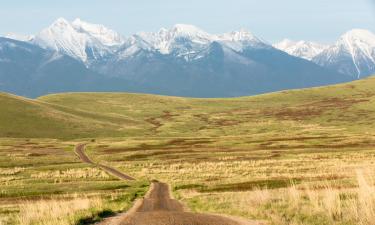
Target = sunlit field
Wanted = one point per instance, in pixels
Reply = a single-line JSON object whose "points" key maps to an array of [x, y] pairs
{"points": [[305, 181], [293, 157], [42, 181]]}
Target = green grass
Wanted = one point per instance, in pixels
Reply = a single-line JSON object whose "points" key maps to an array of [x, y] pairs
{"points": [[214, 152], [38, 167], [332, 109], [38, 170]]}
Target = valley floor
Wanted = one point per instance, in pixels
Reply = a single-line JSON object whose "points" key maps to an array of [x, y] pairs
{"points": [[290, 180]]}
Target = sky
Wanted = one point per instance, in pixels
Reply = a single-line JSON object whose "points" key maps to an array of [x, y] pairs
{"points": [[273, 20]]}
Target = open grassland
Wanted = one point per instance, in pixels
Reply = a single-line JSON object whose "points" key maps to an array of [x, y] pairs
{"points": [[292, 157], [335, 109], [43, 182], [290, 180]]}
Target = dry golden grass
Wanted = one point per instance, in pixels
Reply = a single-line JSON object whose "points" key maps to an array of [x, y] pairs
{"points": [[11, 171], [293, 157], [56, 212], [73, 173], [228, 169], [35, 169], [298, 180], [297, 204]]}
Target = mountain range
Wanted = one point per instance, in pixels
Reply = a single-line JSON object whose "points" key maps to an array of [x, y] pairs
{"points": [[182, 61], [352, 54]]}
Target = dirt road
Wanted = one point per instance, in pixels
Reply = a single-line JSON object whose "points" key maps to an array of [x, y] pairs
{"points": [[80, 151], [158, 208]]}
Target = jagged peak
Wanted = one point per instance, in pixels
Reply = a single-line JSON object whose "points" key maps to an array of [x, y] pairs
{"points": [[60, 22], [105, 35], [304, 49], [185, 27], [162, 30], [80, 24], [187, 30], [239, 35]]}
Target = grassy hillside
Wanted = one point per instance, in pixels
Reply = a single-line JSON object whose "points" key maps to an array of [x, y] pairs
{"points": [[341, 108], [22, 117], [292, 157]]}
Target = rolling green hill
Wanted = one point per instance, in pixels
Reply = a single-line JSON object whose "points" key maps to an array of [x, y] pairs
{"points": [[340, 108], [22, 117], [278, 157]]}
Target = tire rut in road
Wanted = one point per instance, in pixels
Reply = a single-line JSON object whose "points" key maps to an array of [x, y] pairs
{"points": [[80, 151], [158, 208]]}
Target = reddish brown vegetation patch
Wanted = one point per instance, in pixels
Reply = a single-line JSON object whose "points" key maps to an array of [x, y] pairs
{"points": [[313, 109]]}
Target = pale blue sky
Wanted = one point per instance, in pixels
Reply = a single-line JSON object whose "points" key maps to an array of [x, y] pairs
{"points": [[272, 20]]}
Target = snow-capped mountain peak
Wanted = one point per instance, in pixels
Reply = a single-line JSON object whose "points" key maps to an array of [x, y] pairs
{"points": [[79, 39], [285, 44], [359, 35], [184, 31], [303, 49], [104, 35], [358, 42], [60, 22], [241, 35], [353, 53], [187, 40], [87, 42], [181, 38], [62, 37], [239, 40], [187, 30]]}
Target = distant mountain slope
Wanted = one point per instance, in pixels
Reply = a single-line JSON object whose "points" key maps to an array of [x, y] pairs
{"points": [[219, 71], [29, 70]]}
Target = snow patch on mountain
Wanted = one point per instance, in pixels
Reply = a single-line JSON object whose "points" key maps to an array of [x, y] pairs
{"points": [[179, 39], [80, 40], [132, 46], [106, 36], [303, 49], [62, 37], [360, 43], [89, 42], [239, 40], [19, 37], [353, 53], [189, 42]]}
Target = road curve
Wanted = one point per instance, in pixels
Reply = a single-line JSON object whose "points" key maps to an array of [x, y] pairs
{"points": [[80, 151], [158, 208]]}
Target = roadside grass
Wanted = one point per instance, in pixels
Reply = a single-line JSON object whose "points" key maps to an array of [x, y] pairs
{"points": [[284, 180], [76, 209], [294, 179], [58, 211], [297, 204], [43, 182]]}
